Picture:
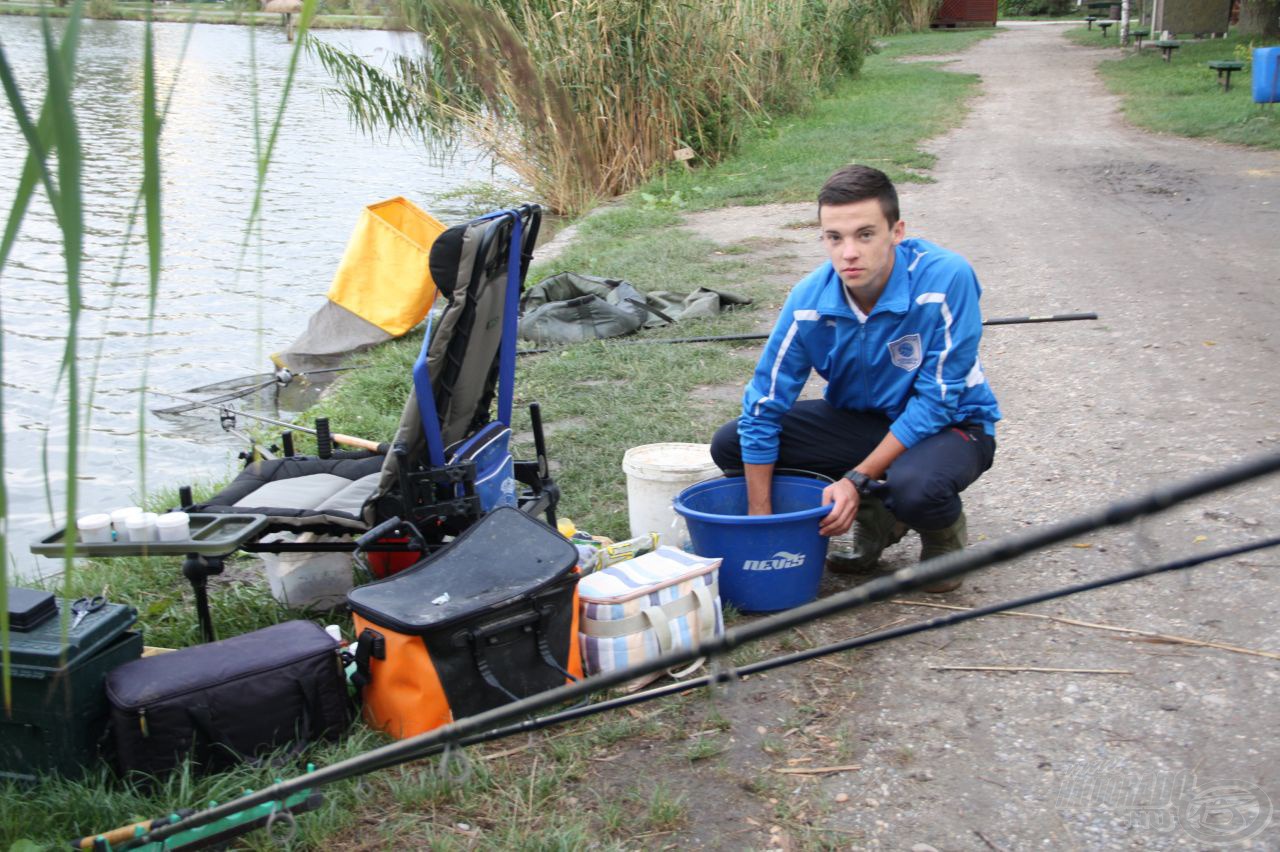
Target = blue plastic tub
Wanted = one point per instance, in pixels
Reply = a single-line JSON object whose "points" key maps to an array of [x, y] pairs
{"points": [[771, 562], [1266, 75]]}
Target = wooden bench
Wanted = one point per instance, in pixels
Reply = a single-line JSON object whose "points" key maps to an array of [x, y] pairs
{"points": [[1224, 67], [1168, 47], [1102, 25]]}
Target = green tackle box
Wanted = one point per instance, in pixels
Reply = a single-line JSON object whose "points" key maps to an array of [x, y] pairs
{"points": [[60, 709]]}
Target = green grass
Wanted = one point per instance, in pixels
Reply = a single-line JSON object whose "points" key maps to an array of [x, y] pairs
{"points": [[1183, 96], [598, 399]]}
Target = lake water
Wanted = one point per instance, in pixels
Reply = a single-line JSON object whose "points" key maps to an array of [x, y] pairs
{"points": [[221, 312]]}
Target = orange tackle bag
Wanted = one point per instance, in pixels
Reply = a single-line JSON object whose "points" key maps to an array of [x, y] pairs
{"points": [[489, 619]]}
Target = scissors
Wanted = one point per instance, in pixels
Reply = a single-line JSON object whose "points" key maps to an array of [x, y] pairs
{"points": [[83, 606]]}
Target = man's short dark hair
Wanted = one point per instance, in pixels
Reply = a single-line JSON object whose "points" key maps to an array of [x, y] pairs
{"points": [[852, 184]]}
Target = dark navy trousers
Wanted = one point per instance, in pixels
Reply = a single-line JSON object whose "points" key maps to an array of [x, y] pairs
{"points": [[922, 487]]}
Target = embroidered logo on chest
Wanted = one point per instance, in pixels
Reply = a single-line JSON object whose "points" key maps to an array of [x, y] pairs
{"points": [[905, 352]]}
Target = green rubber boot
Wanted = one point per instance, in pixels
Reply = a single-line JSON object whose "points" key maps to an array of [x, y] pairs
{"points": [[935, 543], [858, 550]]}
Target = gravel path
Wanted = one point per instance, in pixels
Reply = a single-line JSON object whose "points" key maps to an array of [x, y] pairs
{"points": [[1061, 207]]}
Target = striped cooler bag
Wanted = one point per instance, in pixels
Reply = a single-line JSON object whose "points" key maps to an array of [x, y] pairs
{"points": [[639, 609]]}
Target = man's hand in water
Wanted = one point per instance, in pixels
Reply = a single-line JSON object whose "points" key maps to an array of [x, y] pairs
{"points": [[759, 479]]}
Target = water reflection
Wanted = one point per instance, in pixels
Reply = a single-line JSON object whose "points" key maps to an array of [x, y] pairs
{"points": [[223, 305]]}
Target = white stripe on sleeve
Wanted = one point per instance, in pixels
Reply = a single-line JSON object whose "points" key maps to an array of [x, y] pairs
{"points": [[976, 376], [941, 299], [797, 317]]}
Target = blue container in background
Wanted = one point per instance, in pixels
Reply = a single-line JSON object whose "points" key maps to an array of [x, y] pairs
{"points": [[771, 562], [1266, 75]]}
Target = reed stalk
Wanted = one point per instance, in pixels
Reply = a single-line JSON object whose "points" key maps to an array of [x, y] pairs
{"points": [[54, 163]]}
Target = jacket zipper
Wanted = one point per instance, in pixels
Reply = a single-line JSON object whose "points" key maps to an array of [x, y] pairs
{"points": [[863, 364], [142, 721]]}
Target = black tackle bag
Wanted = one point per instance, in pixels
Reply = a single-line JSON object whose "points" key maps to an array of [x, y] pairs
{"points": [[229, 701]]}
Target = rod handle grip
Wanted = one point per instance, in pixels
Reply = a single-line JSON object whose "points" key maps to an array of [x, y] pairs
{"points": [[362, 443]]}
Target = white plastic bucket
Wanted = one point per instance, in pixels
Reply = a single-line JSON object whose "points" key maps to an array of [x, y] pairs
{"points": [[308, 580], [656, 473]]}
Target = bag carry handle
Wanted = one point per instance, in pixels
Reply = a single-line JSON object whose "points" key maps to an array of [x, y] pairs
{"points": [[535, 620], [202, 720], [370, 645], [658, 620]]}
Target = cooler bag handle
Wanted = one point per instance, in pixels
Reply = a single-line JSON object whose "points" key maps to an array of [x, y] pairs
{"points": [[657, 618]]}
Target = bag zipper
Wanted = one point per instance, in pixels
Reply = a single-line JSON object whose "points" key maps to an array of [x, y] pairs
{"points": [[657, 586]]}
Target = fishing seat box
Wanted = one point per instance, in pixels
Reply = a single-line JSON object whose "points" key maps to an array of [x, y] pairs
{"points": [[490, 618], [60, 709], [229, 701]]}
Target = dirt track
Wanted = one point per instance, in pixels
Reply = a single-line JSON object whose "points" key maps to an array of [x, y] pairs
{"points": [[1176, 244]]}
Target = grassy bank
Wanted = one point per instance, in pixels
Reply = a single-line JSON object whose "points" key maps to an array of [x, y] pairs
{"points": [[598, 399], [1183, 96]]}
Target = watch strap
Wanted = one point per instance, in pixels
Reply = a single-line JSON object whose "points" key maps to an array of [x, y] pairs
{"points": [[860, 481]]}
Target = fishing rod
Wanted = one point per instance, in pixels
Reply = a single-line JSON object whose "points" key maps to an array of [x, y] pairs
{"points": [[717, 677], [231, 414], [282, 376], [222, 397], [945, 567], [733, 338], [231, 389]]}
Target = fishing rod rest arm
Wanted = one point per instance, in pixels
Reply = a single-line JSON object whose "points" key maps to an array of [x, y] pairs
{"points": [[434, 500], [198, 568], [392, 528], [324, 438]]}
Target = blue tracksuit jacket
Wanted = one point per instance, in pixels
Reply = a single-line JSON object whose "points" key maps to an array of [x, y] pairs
{"points": [[914, 358]]}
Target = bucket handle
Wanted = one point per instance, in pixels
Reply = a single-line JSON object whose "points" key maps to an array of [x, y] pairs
{"points": [[783, 471], [778, 471]]}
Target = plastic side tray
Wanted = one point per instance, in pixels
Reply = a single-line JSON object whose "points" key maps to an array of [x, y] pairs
{"points": [[211, 535]]}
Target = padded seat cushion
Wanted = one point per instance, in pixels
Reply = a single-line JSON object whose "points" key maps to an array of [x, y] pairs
{"points": [[302, 493]]}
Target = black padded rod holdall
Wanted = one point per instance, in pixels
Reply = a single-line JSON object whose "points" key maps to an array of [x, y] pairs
{"points": [[229, 701]]}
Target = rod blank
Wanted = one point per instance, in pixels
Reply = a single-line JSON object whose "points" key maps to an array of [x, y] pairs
{"points": [[879, 589]]}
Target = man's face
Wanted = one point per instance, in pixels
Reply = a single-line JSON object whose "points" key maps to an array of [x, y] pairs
{"points": [[860, 242]]}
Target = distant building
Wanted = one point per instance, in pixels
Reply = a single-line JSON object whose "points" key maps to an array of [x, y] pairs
{"points": [[966, 13], [1191, 17]]}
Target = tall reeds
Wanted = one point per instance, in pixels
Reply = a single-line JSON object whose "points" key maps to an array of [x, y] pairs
{"points": [[54, 164], [918, 14], [583, 98]]}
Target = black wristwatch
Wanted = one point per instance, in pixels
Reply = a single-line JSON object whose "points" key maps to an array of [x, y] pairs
{"points": [[860, 481]]}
